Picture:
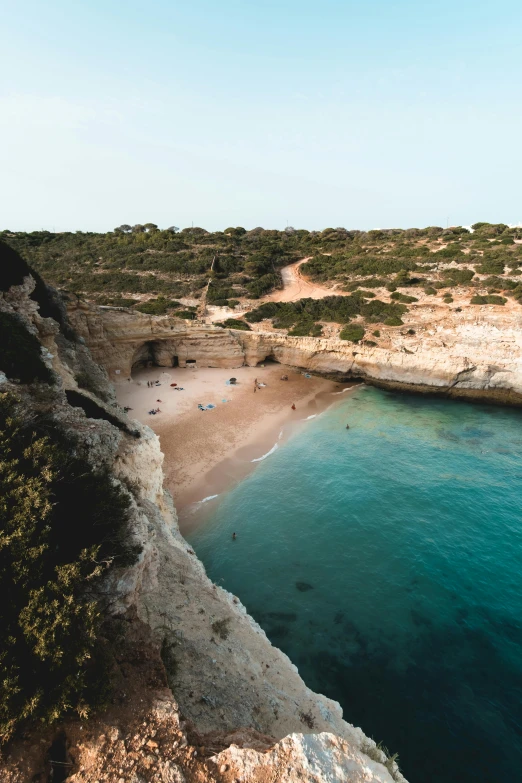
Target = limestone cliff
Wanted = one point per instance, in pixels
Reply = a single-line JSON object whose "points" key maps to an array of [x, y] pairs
{"points": [[470, 354], [220, 666]]}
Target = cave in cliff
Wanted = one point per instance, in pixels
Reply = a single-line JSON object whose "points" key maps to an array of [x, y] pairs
{"points": [[146, 355]]}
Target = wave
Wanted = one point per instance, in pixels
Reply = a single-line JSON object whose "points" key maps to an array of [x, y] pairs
{"points": [[343, 391], [280, 435], [268, 453], [205, 500], [311, 417]]}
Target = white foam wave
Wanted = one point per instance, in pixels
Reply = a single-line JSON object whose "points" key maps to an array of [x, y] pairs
{"points": [[311, 417], [268, 453], [280, 435], [205, 500], [343, 391]]}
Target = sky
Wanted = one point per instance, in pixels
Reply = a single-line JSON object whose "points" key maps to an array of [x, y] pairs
{"points": [[355, 113]]}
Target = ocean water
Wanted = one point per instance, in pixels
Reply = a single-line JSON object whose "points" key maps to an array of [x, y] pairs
{"points": [[386, 561]]}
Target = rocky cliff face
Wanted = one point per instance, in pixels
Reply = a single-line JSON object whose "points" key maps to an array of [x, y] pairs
{"points": [[473, 354], [217, 661]]}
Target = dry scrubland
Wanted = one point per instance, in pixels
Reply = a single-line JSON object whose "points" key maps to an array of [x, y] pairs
{"points": [[355, 280]]}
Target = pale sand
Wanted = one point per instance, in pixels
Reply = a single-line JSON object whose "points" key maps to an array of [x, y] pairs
{"points": [[207, 452]]}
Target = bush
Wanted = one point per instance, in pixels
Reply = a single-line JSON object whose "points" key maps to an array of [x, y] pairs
{"points": [[430, 291], [157, 306], [489, 299], [234, 323], [490, 266], [403, 298], [394, 321], [187, 315], [459, 276], [376, 333], [306, 328], [20, 352], [62, 526], [352, 332]]}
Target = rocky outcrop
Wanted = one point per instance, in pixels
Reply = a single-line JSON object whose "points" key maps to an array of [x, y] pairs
{"points": [[316, 758], [476, 354], [217, 661]]}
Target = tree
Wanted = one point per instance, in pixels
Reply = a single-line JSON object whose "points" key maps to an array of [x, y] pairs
{"points": [[150, 227], [174, 229], [138, 229], [124, 228]]}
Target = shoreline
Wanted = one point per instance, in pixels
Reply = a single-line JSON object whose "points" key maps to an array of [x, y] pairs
{"points": [[206, 453], [195, 506]]}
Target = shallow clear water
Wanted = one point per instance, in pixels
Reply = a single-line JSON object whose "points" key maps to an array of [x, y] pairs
{"points": [[386, 561]]}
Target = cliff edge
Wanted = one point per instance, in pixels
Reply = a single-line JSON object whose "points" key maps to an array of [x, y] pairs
{"points": [[198, 692]]}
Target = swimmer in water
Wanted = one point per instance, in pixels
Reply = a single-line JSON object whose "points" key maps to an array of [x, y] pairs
{"points": [[234, 536]]}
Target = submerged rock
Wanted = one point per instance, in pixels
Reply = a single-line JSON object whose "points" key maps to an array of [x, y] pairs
{"points": [[304, 586]]}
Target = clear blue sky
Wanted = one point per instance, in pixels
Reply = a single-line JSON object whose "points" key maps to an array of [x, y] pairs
{"points": [[355, 113]]}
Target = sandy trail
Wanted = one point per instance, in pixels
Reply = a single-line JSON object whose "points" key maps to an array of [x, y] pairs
{"points": [[298, 287]]}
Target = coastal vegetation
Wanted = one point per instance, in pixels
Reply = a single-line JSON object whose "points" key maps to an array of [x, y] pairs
{"points": [[166, 271], [303, 316], [63, 527], [55, 650]]}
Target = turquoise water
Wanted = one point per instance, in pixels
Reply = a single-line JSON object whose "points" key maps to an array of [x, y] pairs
{"points": [[386, 561]]}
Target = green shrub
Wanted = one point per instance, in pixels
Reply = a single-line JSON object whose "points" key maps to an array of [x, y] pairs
{"points": [[376, 333], [369, 343], [187, 315], [234, 323], [430, 291], [490, 266], [393, 321], [62, 526], [448, 299], [352, 332], [403, 298], [306, 328], [157, 306], [489, 299], [20, 352], [459, 276]]}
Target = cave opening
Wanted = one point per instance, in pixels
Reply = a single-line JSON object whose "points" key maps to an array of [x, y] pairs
{"points": [[270, 359], [145, 355]]}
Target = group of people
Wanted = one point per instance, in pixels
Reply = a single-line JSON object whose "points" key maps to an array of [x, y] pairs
{"points": [[154, 411], [153, 383]]}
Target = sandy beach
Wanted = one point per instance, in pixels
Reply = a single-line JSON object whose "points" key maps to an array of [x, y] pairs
{"points": [[208, 451]]}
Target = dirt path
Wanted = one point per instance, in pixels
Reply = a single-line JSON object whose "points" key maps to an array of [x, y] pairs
{"points": [[298, 287]]}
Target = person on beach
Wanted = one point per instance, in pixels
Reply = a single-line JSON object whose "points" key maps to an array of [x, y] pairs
{"points": [[293, 406]]}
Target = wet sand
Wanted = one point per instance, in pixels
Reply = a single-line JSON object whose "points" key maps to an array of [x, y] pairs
{"points": [[206, 452]]}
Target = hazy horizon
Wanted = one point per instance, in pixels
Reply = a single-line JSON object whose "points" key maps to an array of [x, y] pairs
{"points": [[308, 114]]}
